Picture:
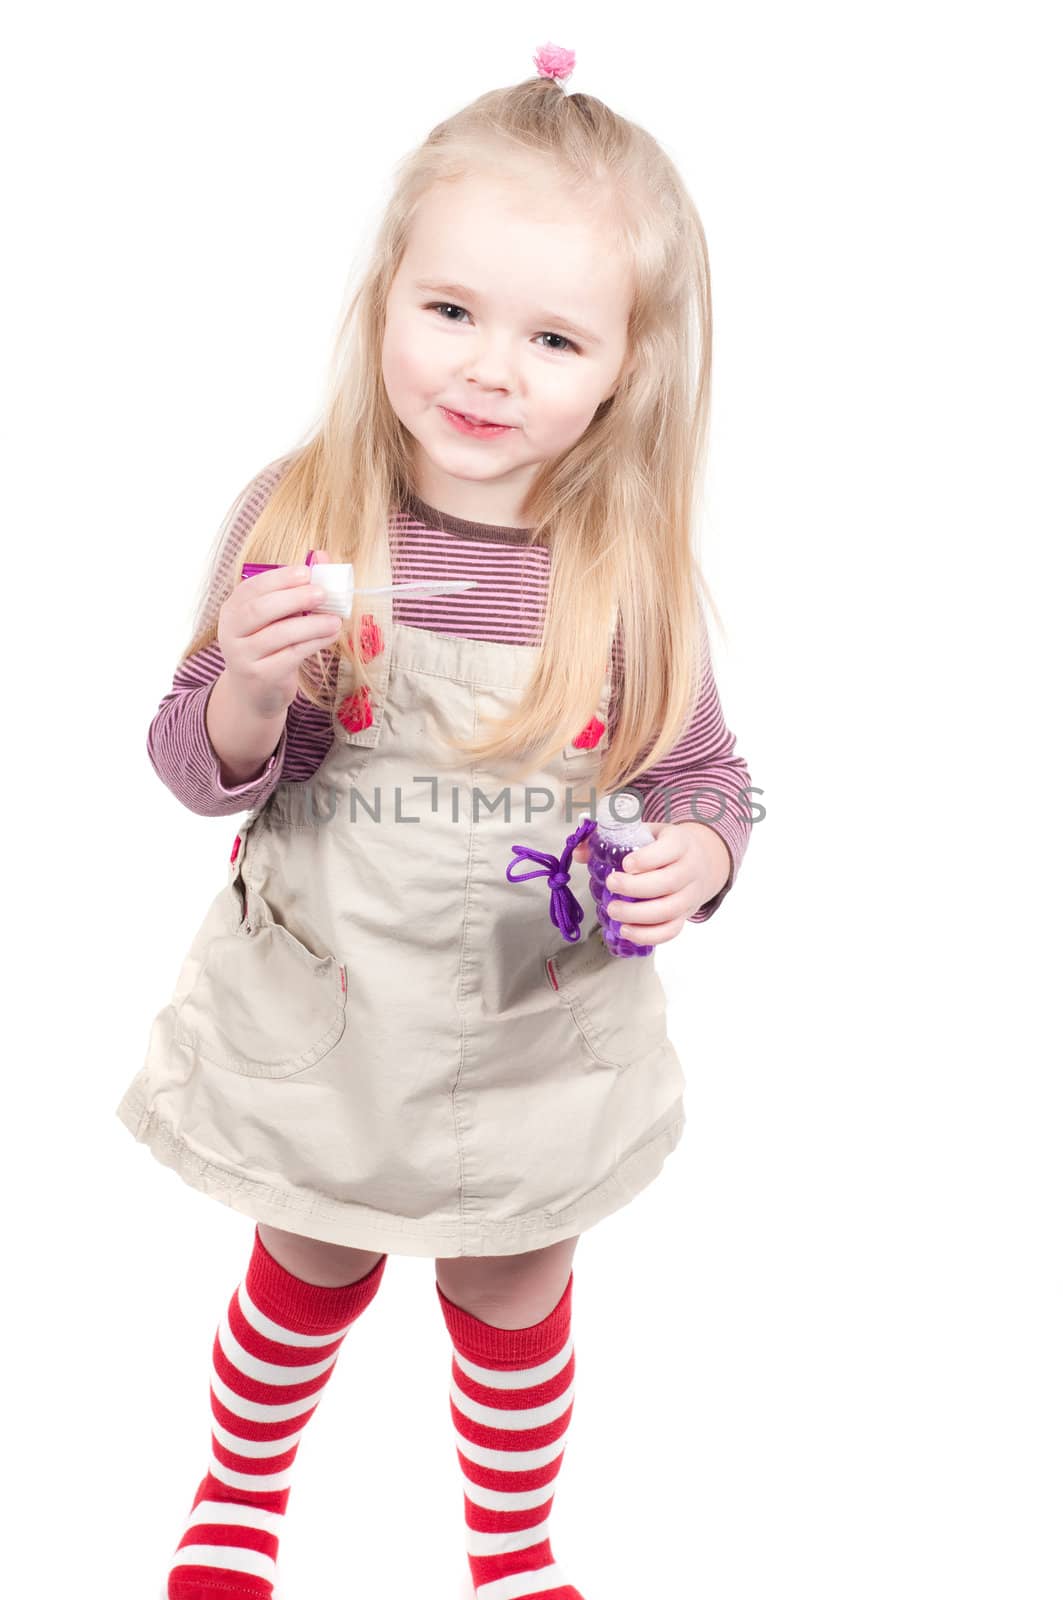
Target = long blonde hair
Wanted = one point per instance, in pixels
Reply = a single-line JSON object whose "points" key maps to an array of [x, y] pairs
{"points": [[616, 509]]}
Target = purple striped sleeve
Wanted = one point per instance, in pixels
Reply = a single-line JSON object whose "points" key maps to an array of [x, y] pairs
{"points": [[180, 750], [701, 779]]}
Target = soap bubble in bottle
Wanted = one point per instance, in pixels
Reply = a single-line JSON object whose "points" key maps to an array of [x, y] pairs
{"points": [[619, 830]]}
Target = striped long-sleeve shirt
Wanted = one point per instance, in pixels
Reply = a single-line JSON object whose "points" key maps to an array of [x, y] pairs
{"points": [[507, 606]]}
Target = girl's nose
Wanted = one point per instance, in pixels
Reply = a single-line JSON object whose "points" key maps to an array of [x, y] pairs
{"points": [[490, 369]]}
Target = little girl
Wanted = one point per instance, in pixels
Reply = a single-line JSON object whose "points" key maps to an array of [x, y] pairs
{"points": [[379, 1040]]}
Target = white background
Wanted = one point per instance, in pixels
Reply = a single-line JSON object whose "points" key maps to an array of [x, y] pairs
{"points": [[820, 1355]]}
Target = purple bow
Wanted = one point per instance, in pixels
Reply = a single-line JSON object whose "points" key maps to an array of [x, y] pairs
{"points": [[566, 913]]}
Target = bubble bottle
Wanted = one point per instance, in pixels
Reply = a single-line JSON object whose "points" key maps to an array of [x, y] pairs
{"points": [[618, 830], [613, 831]]}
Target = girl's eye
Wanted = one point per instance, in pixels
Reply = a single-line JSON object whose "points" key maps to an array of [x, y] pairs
{"points": [[446, 305]]}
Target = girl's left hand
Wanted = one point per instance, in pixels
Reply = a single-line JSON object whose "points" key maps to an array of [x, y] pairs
{"points": [[687, 864]]}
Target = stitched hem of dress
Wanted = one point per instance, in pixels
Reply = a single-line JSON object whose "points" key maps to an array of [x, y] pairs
{"points": [[361, 1227]]}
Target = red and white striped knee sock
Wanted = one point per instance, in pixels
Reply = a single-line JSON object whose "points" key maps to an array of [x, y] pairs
{"points": [[511, 1402], [273, 1354]]}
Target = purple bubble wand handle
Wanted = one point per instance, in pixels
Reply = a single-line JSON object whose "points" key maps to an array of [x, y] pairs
{"points": [[566, 913]]}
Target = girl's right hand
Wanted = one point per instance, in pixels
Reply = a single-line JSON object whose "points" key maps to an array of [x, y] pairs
{"points": [[263, 637]]}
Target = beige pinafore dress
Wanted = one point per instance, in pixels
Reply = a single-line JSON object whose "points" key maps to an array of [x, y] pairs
{"points": [[378, 1040]]}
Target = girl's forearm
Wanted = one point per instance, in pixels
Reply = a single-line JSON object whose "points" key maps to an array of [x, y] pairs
{"points": [[243, 740]]}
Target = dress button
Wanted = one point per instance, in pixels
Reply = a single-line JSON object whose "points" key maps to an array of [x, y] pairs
{"points": [[589, 736], [235, 848], [371, 638], [356, 712]]}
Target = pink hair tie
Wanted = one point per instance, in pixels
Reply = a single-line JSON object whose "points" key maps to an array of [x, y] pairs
{"points": [[554, 62]]}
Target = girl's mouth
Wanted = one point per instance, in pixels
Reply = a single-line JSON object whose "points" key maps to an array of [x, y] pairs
{"points": [[478, 430]]}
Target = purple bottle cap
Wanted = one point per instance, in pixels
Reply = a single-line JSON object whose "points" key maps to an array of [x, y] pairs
{"points": [[619, 819], [250, 568]]}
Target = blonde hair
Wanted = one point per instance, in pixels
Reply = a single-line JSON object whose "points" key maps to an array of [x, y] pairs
{"points": [[616, 509]]}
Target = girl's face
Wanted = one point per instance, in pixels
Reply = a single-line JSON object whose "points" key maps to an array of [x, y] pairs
{"points": [[505, 312]]}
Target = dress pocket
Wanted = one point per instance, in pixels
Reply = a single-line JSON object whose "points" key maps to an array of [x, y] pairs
{"points": [[617, 1003], [263, 1005]]}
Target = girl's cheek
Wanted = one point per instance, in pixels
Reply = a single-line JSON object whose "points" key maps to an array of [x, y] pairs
{"points": [[401, 363]]}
